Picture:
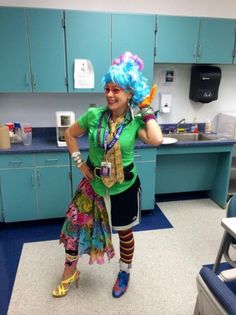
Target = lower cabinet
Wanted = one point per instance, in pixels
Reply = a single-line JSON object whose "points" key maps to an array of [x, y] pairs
{"points": [[205, 168], [145, 160], [53, 184], [34, 186], [41, 185], [18, 189]]}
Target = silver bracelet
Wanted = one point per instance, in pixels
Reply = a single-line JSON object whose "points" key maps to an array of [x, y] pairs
{"points": [[77, 157]]}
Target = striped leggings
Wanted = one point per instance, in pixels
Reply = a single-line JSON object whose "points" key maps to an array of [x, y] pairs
{"points": [[126, 250]]}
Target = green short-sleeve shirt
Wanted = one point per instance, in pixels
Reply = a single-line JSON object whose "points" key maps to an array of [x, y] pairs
{"points": [[90, 121]]}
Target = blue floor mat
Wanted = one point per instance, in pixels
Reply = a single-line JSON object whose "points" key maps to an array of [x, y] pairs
{"points": [[14, 235], [153, 220]]}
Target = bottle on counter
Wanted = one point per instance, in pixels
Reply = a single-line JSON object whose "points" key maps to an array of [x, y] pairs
{"points": [[4, 137], [208, 127], [10, 127], [194, 127], [18, 132], [15, 133]]}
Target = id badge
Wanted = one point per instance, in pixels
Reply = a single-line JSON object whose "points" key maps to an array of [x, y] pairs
{"points": [[105, 169]]}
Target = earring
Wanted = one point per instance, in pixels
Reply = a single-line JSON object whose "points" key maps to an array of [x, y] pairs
{"points": [[131, 110]]}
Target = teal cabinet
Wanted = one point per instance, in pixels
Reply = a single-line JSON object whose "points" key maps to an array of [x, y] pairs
{"points": [[176, 40], [14, 51], [18, 188], [234, 50], [32, 50], [145, 160], [194, 40], [19, 195], [191, 169], [88, 36], [135, 33], [53, 184], [216, 41], [34, 186], [47, 50]]}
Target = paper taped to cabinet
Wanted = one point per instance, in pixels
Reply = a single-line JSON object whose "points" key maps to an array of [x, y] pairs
{"points": [[83, 74]]}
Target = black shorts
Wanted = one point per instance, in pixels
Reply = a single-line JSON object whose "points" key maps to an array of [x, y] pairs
{"points": [[126, 207]]}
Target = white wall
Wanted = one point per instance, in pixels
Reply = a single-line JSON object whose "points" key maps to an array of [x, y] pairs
{"points": [[182, 106], [226, 8], [40, 108]]}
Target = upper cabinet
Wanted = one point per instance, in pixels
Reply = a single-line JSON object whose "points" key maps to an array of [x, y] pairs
{"points": [[135, 33], [216, 41], [194, 40], [14, 51], [176, 39], [101, 37], [88, 36], [32, 52], [47, 50], [38, 47]]}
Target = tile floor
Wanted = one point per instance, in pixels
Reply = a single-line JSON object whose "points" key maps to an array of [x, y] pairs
{"points": [[163, 276]]}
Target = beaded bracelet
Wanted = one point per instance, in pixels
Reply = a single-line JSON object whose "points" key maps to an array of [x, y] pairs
{"points": [[77, 157], [147, 114]]}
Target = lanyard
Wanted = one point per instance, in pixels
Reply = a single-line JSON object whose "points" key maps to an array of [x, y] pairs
{"points": [[108, 146]]}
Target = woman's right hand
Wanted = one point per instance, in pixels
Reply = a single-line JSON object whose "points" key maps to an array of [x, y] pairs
{"points": [[85, 170]]}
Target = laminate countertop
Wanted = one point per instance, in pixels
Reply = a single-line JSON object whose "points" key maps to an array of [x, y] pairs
{"points": [[48, 144]]}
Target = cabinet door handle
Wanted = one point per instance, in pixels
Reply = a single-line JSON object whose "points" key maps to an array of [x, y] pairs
{"points": [[195, 50], [38, 177], [34, 79], [32, 180], [199, 51], [27, 78]]}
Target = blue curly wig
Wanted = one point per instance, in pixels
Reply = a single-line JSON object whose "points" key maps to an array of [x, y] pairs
{"points": [[126, 71]]}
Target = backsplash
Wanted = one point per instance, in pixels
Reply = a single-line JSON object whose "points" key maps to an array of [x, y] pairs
{"points": [[39, 109]]}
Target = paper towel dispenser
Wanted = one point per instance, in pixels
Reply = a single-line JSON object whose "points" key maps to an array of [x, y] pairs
{"points": [[204, 84]]}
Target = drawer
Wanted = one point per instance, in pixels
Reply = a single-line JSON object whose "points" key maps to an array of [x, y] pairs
{"points": [[147, 154], [51, 159], [16, 160]]}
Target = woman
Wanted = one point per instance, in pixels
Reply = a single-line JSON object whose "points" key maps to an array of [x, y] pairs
{"points": [[108, 193]]}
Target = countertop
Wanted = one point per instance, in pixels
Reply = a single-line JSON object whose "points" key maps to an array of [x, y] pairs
{"points": [[45, 145], [48, 144]]}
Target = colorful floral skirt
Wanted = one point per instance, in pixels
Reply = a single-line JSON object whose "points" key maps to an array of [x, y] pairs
{"points": [[86, 228]]}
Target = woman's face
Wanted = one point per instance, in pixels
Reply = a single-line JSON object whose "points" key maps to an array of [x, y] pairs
{"points": [[117, 98]]}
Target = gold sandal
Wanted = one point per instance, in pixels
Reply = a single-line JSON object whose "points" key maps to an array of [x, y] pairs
{"points": [[63, 288]]}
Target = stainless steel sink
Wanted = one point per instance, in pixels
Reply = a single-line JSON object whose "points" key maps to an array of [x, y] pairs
{"points": [[192, 136]]}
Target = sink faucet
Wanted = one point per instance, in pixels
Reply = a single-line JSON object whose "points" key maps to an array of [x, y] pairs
{"points": [[182, 121], [178, 127]]}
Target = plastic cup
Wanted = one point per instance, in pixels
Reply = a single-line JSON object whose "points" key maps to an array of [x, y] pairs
{"points": [[26, 133]]}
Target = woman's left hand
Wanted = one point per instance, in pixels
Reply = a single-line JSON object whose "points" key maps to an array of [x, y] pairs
{"points": [[85, 170]]}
